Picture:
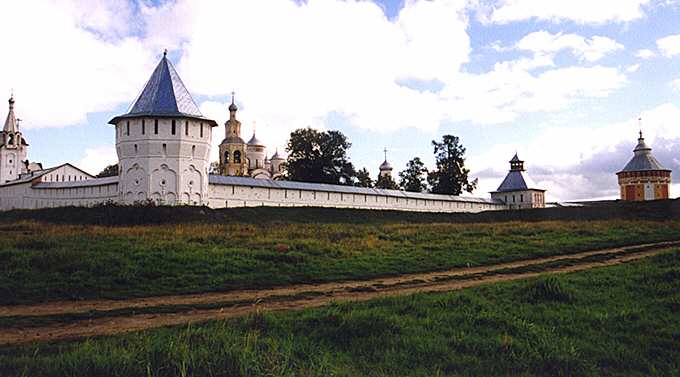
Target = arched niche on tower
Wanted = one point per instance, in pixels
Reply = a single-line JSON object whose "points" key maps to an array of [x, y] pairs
{"points": [[164, 183]]}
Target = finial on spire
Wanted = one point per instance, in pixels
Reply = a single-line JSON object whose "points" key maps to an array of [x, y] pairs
{"points": [[165, 52], [385, 151], [640, 126]]}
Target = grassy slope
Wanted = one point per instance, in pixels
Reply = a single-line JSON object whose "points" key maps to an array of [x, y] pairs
{"points": [[41, 261], [622, 320]]}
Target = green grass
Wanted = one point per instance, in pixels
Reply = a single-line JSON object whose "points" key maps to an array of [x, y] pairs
{"points": [[620, 320], [41, 262]]}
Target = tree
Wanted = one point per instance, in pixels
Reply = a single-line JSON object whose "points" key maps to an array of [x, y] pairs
{"points": [[386, 182], [413, 178], [363, 178], [109, 171], [450, 176], [319, 156]]}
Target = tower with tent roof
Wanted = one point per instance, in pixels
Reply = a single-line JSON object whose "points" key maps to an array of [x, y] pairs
{"points": [[163, 143], [643, 177], [518, 190]]}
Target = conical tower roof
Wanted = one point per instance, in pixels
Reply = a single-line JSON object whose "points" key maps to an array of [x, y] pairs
{"points": [[164, 95], [643, 159], [11, 121]]}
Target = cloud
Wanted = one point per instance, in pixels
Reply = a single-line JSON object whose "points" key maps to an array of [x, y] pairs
{"points": [[65, 63], [633, 68], [670, 45], [579, 11], [645, 54], [97, 158], [590, 50], [576, 162], [675, 85]]}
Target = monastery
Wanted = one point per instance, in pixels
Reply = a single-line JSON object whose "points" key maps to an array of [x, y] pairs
{"points": [[163, 144]]}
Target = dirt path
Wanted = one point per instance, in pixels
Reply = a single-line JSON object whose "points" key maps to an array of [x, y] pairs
{"points": [[237, 303]]}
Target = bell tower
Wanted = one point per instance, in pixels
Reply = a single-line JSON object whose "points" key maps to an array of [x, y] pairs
{"points": [[233, 159], [13, 147]]}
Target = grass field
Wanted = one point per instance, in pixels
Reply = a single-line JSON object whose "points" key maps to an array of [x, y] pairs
{"points": [[41, 261], [621, 320]]}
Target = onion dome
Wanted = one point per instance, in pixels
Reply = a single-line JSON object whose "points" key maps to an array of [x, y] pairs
{"points": [[255, 141], [276, 156], [643, 159], [233, 107], [385, 166]]}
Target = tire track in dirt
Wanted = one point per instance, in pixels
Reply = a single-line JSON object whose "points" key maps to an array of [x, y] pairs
{"points": [[286, 298]]}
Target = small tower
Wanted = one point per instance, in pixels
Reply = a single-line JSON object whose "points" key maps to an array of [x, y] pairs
{"points": [[518, 190], [278, 165], [256, 152], [385, 168], [644, 178], [13, 147], [233, 160], [163, 144]]}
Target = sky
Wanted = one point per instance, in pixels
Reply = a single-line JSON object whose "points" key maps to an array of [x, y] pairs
{"points": [[561, 83]]}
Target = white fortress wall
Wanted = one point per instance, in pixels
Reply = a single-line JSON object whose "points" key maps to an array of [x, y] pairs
{"points": [[249, 192], [32, 194]]}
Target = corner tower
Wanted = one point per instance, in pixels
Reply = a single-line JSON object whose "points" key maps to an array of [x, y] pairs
{"points": [[163, 143], [643, 177], [13, 147]]}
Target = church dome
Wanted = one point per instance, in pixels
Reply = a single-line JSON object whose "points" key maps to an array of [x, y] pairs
{"points": [[233, 107], [385, 166], [276, 156], [255, 141]]}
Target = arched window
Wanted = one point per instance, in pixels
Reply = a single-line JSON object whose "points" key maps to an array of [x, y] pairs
{"points": [[237, 157], [226, 157]]}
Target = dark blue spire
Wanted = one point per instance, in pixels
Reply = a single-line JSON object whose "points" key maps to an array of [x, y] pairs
{"points": [[163, 95]]}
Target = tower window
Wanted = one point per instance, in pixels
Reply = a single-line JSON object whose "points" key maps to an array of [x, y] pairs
{"points": [[173, 130], [165, 149], [201, 129], [237, 157], [143, 127], [135, 148], [226, 157], [186, 128], [193, 151], [155, 126], [521, 197], [127, 128]]}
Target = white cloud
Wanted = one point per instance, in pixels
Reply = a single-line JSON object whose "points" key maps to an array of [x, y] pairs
{"points": [[97, 158], [670, 45], [63, 63], [591, 50], [287, 74], [580, 11], [675, 85], [645, 54], [633, 68]]}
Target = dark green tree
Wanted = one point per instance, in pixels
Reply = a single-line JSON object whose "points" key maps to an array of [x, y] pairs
{"points": [[109, 171], [363, 178], [450, 176], [319, 156], [386, 182], [413, 178]]}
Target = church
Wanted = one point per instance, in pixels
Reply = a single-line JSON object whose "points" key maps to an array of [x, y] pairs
{"points": [[163, 145]]}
